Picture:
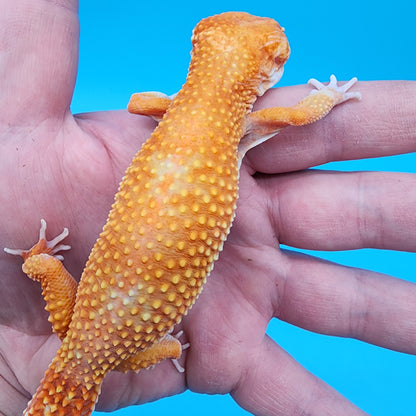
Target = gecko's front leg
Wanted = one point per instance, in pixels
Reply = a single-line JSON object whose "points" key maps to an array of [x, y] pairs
{"points": [[266, 123], [152, 104]]}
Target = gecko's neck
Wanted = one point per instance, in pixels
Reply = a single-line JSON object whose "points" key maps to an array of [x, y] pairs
{"points": [[207, 112]]}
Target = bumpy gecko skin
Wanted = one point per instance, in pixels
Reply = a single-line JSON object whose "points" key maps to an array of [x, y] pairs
{"points": [[171, 215]]}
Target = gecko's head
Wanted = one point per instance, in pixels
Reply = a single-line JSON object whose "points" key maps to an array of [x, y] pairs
{"points": [[250, 48]]}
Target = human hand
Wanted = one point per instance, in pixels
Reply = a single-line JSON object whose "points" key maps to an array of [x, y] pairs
{"points": [[66, 170]]}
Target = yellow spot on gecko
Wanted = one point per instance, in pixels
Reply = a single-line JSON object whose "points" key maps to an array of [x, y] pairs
{"points": [[146, 316]]}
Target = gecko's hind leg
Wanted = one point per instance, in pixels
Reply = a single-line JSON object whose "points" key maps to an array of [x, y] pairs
{"points": [[41, 263], [175, 361], [168, 347]]}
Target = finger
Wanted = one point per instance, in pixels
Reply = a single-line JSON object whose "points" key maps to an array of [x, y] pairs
{"points": [[381, 124], [324, 210], [39, 59], [335, 300], [273, 383]]}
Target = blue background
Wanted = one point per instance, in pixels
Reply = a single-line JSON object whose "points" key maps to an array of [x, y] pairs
{"points": [[130, 46]]}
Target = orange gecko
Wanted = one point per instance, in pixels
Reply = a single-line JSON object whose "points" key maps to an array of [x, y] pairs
{"points": [[171, 215]]}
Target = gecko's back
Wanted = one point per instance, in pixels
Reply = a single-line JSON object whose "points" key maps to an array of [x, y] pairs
{"points": [[171, 214], [177, 200]]}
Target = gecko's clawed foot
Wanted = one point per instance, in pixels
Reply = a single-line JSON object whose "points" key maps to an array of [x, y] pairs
{"points": [[341, 89], [43, 245], [53, 244], [175, 361]]}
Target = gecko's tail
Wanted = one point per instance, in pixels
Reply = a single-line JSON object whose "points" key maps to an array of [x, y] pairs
{"points": [[59, 395]]}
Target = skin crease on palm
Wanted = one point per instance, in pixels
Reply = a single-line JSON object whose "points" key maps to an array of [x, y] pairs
{"points": [[66, 169]]}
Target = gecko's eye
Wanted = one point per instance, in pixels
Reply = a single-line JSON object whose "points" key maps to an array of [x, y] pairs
{"points": [[282, 53], [280, 59]]}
